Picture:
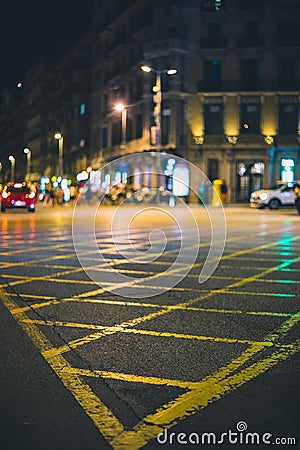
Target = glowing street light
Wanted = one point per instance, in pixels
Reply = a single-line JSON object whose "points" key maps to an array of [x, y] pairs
{"points": [[12, 160], [27, 152], [60, 139], [122, 108], [148, 69], [157, 98]]}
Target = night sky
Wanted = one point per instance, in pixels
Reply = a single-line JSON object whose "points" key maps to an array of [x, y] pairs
{"points": [[31, 30]]}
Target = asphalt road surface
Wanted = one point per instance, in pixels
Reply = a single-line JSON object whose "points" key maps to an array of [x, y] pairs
{"points": [[104, 347]]}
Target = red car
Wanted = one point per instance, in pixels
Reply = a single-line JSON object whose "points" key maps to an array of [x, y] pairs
{"points": [[17, 195]]}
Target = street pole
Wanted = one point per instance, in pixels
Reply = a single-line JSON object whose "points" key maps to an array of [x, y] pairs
{"points": [[28, 154], [124, 119], [60, 139], [60, 156], [12, 160], [157, 119], [157, 98], [121, 107], [157, 109]]}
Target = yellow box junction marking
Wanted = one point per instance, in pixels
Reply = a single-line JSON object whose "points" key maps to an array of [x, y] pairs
{"points": [[199, 394]]}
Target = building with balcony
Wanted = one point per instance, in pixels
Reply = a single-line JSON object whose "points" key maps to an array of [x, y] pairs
{"points": [[232, 107]]}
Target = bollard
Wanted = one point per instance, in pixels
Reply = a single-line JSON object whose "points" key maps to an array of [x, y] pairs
{"points": [[216, 194]]}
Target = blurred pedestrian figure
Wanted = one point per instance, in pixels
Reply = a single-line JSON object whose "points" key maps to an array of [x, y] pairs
{"points": [[88, 196], [224, 192], [32, 187], [297, 199], [52, 199], [73, 194], [59, 196], [47, 194]]}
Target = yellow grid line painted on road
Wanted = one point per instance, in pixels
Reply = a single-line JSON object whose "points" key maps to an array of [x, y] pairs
{"points": [[134, 378], [95, 336], [28, 279], [36, 262], [195, 337], [196, 399], [149, 305], [115, 328], [212, 387], [100, 414], [209, 389]]}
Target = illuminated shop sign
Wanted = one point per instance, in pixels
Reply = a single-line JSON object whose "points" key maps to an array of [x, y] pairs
{"points": [[287, 169], [287, 162], [181, 181]]}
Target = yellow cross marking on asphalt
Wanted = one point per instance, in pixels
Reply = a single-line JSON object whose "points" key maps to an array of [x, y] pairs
{"points": [[198, 394]]}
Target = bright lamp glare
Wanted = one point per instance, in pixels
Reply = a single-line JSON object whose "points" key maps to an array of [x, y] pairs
{"points": [[146, 68], [171, 71], [120, 107], [57, 136]]}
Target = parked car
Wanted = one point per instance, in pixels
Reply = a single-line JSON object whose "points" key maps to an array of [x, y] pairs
{"points": [[280, 194], [18, 195]]}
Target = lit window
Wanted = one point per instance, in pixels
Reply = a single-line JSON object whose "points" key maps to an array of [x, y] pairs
{"points": [[82, 109]]}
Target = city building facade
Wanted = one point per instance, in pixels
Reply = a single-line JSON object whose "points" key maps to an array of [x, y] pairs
{"points": [[232, 108], [230, 104]]}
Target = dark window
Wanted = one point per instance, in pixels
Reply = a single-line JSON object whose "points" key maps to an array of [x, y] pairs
{"points": [[288, 33], [214, 35], [213, 116], [212, 74], [249, 74], [251, 36], [96, 138], [213, 169], [288, 118], [287, 70], [138, 125], [116, 133], [75, 111], [165, 125], [128, 128], [104, 137], [250, 5], [286, 3], [250, 118], [139, 87], [105, 104], [165, 82]]}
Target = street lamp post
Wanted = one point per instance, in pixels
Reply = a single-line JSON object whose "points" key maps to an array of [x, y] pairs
{"points": [[122, 108], [12, 160], [157, 98], [60, 139], [28, 169]]}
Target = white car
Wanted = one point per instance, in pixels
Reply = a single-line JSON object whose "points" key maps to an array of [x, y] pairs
{"points": [[279, 194]]}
